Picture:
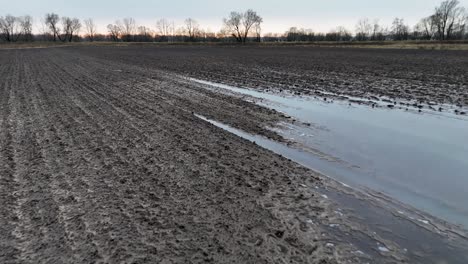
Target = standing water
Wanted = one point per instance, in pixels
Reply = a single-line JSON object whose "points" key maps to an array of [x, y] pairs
{"points": [[420, 159]]}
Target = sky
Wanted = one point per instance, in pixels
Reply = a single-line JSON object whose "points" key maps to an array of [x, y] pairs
{"points": [[278, 15]]}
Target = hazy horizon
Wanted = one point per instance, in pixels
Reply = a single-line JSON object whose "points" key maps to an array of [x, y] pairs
{"points": [[278, 16]]}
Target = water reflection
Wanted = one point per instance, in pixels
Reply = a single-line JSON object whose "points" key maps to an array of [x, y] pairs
{"points": [[420, 159]]}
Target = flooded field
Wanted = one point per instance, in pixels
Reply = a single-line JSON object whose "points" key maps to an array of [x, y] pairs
{"points": [[419, 158], [394, 222], [114, 154]]}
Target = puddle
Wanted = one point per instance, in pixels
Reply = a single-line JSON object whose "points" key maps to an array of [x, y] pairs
{"points": [[420, 159], [420, 245], [395, 224]]}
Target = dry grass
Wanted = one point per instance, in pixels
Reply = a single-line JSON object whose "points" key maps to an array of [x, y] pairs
{"points": [[425, 45]]}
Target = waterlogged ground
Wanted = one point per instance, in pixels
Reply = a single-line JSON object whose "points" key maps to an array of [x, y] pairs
{"points": [[110, 155], [426, 78], [390, 226], [419, 158], [105, 162]]}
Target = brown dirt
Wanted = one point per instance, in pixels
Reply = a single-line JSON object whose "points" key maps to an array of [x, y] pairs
{"points": [[104, 161], [101, 163], [425, 77]]}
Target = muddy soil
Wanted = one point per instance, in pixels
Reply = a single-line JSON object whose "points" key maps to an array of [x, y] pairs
{"points": [[105, 161], [423, 78]]}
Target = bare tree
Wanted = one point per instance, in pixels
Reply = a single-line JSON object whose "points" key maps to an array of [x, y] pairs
{"points": [[26, 24], [400, 30], [463, 21], [10, 29], [128, 29], [114, 31], [71, 27], [258, 31], [66, 28], [192, 28], [293, 34], [91, 29], [448, 18], [250, 19], [144, 31], [426, 28], [239, 24], [164, 28], [180, 31], [339, 34], [145, 34], [378, 32], [363, 29], [233, 25], [51, 21], [457, 23]]}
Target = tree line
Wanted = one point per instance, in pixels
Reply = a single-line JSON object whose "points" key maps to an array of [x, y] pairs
{"points": [[238, 26], [448, 22]]}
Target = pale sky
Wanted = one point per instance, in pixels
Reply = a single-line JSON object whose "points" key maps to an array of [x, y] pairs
{"points": [[278, 15]]}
